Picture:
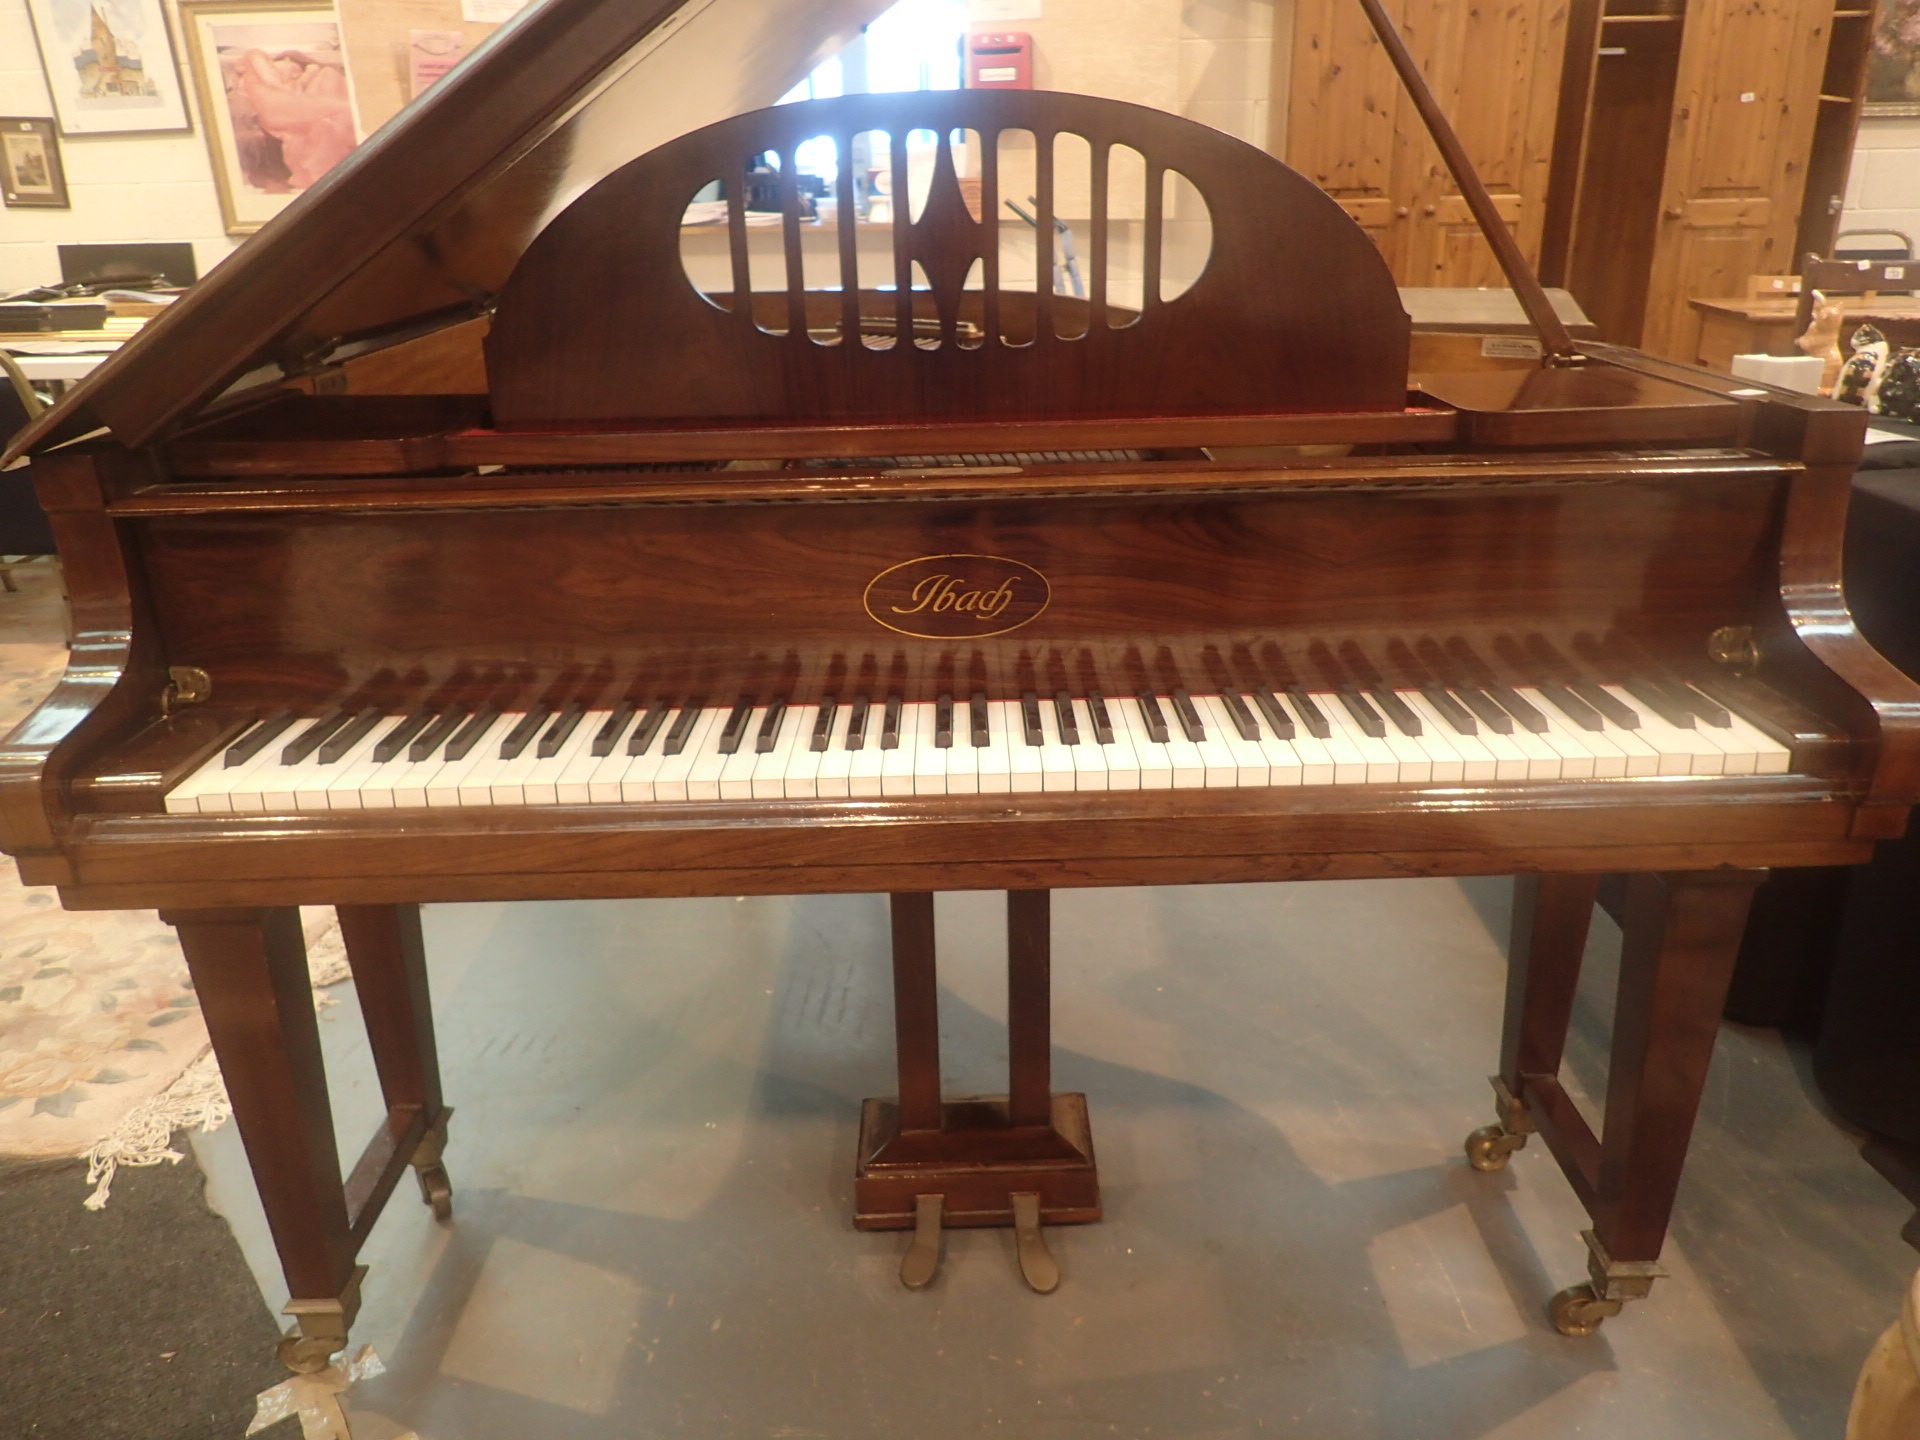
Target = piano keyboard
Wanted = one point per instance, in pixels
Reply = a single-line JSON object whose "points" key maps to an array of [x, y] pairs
{"points": [[862, 748]]}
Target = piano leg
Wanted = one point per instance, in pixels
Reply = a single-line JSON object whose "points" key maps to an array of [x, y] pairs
{"points": [[1018, 1159], [250, 970], [1681, 936], [389, 961]]}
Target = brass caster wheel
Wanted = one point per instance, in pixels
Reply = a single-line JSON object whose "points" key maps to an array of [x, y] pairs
{"points": [[1490, 1148], [436, 1190], [1578, 1310], [304, 1354]]}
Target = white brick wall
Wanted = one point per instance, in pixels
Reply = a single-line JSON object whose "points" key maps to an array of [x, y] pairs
{"points": [[123, 187], [1884, 186], [1226, 59]]}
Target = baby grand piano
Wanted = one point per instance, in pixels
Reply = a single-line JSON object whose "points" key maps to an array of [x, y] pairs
{"points": [[451, 543]]}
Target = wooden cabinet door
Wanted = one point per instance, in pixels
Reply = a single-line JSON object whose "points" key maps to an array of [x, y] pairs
{"points": [[1495, 69], [1744, 108]]}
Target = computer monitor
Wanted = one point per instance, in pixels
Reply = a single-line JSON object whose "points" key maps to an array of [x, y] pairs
{"points": [[129, 261]]}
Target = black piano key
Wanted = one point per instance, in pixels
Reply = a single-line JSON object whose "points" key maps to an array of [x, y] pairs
{"points": [[437, 734], [1707, 709], [563, 726], [1451, 710], [1102, 721], [398, 738], [313, 737], [1395, 709], [1571, 705], [523, 731], [261, 736], [1309, 712], [735, 730], [857, 723], [350, 735], [1064, 717], [943, 722], [890, 724], [1364, 715], [650, 725], [1491, 715], [683, 725], [1243, 720], [1656, 699], [469, 734], [1030, 719], [823, 725], [1521, 710], [1607, 703], [981, 732], [1276, 715], [1188, 716], [770, 726], [1150, 713], [609, 733]]}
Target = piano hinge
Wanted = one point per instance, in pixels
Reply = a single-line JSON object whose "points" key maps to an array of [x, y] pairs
{"points": [[1734, 647], [186, 685]]}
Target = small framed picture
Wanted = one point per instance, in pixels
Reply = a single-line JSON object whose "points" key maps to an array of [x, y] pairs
{"points": [[109, 66], [275, 101], [30, 173], [1893, 64]]}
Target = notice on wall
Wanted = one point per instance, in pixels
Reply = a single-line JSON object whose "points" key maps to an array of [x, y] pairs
{"points": [[992, 12], [430, 54], [492, 12]]}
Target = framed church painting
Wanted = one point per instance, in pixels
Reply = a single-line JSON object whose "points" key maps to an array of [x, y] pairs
{"points": [[110, 65]]}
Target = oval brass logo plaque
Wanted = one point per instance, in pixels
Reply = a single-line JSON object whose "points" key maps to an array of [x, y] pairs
{"points": [[953, 597]]}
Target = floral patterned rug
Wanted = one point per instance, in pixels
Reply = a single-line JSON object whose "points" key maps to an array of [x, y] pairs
{"points": [[98, 1020]]}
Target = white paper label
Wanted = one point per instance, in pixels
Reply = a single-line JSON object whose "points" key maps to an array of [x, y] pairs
{"points": [[1511, 347], [986, 12], [490, 12], [997, 74]]}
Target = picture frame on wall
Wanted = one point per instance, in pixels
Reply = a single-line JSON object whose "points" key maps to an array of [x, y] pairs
{"points": [[1893, 64], [31, 176], [110, 66], [276, 104]]}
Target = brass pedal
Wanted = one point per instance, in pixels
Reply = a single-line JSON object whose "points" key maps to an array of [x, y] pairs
{"points": [[1037, 1265], [922, 1261]]}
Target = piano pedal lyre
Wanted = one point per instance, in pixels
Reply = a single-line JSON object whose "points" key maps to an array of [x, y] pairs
{"points": [[1023, 1159]]}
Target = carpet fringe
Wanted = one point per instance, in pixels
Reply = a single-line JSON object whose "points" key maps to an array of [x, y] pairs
{"points": [[195, 1101]]}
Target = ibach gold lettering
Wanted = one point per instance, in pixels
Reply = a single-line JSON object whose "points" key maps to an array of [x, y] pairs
{"points": [[937, 594]]}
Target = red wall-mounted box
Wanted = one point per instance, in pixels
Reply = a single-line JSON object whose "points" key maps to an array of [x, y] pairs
{"points": [[1000, 62]]}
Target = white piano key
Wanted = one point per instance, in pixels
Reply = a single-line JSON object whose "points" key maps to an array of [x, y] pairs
{"points": [[1769, 755], [1057, 770], [1682, 751], [541, 784], [1189, 765], [787, 770], [573, 785], [703, 776], [1382, 765], [897, 766], [209, 790], [1350, 767], [863, 776], [737, 770], [1477, 763], [1089, 755], [1219, 765], [357, 771], [1609, 760], [929, 760], [443, 790], [1251, 767], [1156, 766], [994, 762], [1576, 760], [831, 778], [963, 756], [1117, 757], [475, 787], [672, 778], [1446, 761], [1023, 760], [1542, 756]]}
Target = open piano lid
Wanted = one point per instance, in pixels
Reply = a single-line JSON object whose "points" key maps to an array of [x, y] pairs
{"points": [[422, 224]]}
